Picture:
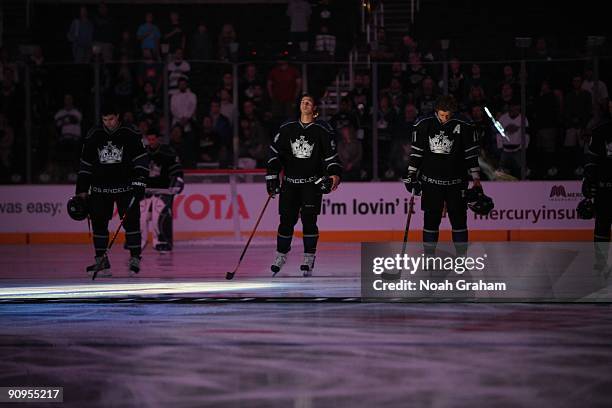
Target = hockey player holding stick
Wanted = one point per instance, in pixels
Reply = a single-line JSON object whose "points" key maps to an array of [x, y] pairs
{"points": [[113, 169], [444, 154], [305, 150], [164, 181]]}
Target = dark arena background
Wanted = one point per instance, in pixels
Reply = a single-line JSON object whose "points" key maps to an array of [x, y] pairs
{"points": [[189, 312]]}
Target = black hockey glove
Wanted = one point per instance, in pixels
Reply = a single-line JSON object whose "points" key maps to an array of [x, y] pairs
{"points": [[412, 184], [272, 184], [138, 189], [589, 188]]}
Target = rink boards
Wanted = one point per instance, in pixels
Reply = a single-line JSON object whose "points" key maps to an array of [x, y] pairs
{"points": [[357, 212]]}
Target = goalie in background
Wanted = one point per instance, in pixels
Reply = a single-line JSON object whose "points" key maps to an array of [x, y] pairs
{"points": [[165, 179]]}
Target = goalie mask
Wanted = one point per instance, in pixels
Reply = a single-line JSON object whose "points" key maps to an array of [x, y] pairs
{"points": [[77, 208]]}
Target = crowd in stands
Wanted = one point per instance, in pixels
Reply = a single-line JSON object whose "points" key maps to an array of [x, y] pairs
{"points": [[563, 101]]}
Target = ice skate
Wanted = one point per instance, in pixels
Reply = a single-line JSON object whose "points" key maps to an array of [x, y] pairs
{"points": [[308, 265], [134, 265], [104, 264], [278, 263]]}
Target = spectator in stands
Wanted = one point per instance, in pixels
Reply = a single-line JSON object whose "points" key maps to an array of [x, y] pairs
{"points": [[221, 125], [248, 82], [599, 96], [475, 79], [249, 112], [476, 97], [508, 78], [503, 101], [39, 75], [183, 107], [426, 97], [104, 34], [405, 125], [322, 15], [299, 12], [386, 122], [68, 125], [350, 153], [150, 71], [126, 47], [227, 105], [416, 73], [399, 158], [201, 46], [124, 85], [577, 112], [144, 125], [227, 84], [345, 117], [407, 46], [178, 68], [396, 94], [284, 86], [456, 79], [360, 96], [10, 102], [208, 144], [254, 145], [149, 35], [380, 48], [7, 139], [80, 34], [510, 160], [175, 35], [228, 43], [185, 151], [128, 118], [325, 42], [8, 67], [546, 122], [148, 104]]}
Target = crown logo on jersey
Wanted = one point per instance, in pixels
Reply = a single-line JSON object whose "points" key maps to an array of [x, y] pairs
{"points": [[301, 148], [609, 149], [110, 154], [440, 144]]}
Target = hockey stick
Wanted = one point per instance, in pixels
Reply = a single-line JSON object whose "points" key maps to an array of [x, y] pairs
{"points": [[396, 276], [101, 259], [230, 275], [498, 125]]}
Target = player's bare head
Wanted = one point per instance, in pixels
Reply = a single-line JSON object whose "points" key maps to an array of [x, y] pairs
{"points": [[445, 107], [110, 116], [153, 138], [308, 105]]}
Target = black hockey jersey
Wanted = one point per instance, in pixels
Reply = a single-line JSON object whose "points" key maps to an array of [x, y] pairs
{"points": [[598, 167], [305, 151], [112, 160], [164, 166], [444, 152]]}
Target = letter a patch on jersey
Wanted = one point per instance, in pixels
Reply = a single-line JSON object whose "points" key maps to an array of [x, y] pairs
{"points": [[457, 129]]}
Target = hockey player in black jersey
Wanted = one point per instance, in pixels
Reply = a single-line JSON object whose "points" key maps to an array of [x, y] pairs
{"points": [[597, 185], [164, 181], [444, 156], [113, 169], [305, 151]]}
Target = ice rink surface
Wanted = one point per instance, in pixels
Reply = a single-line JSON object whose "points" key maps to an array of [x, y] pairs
{"points": [[109, 350]]}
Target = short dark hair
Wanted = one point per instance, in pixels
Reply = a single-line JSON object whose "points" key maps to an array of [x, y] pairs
{"points": [[110, 108], [446, 103]]}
